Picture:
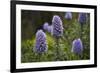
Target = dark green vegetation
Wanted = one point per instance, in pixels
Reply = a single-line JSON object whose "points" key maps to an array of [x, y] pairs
{"points": [[34, 20]]}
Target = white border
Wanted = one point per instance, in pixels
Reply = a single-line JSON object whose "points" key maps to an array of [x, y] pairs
{"points": [[20, 65]]}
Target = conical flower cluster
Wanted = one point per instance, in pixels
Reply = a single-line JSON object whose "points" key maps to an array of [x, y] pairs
{"points": [[41, 44], [77, 46], [82, 18], [68, 15], [57, 26]]}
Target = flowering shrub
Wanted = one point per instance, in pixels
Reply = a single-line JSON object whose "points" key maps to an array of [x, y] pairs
{"points": [[58, 39]]}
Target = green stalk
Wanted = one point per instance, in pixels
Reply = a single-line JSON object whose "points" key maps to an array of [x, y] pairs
{"points": [[57, 49], [39, 57]]}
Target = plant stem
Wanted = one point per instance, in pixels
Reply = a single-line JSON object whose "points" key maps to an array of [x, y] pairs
{"points": [[57, 49], [39, 57], [81, 30]]}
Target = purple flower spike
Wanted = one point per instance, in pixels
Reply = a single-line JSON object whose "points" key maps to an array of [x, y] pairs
{"points": [[57, 26], [82, 18], [41, 44], [45, 26], [50, 29], [77, 46], [68, 15]]}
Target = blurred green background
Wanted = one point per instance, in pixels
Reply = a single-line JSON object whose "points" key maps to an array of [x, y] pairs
{"points": [[31, 21]]}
